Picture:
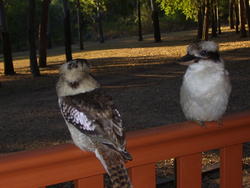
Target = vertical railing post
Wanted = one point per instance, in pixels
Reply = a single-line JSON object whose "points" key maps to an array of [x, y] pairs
{"points": [[231, 166], [188, 171], [143, 176], [92, 181]]}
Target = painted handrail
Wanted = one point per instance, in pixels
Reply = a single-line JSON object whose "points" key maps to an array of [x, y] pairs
{"points": [[183, 141]]}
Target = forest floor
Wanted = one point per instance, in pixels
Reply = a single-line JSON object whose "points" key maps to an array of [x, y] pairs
{"points": [[142, 78]]}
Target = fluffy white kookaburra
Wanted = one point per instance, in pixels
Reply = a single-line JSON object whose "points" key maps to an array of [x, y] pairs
{"points": [[92, 119], [206, 86]]}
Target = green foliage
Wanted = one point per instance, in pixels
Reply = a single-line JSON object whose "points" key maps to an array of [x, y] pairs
{"points": [[17, 20], [119, 18], [120, 8], [145, 12], [55, 23], [116, 16], [176, 22], [17, 27], [223, 8], [188, 7], [89, 7]]}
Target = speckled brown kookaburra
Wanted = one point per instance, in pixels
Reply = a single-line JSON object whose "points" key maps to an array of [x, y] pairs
{"points": [[93, 121]]}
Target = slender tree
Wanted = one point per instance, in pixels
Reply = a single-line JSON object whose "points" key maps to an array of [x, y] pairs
{"points": [[236, 12], [67, 31], [200, 21], [7, 52], [155, 20], [231, 13], [206, 20], [49, 41], [247, 15], [140, 38], [214, 18], [218, 16], [43, 34], [32, 39], [79, 23], [99, 21], [243, 32]]}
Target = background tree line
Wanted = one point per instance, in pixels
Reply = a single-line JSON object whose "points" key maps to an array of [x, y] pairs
{"points": [[42, 24]]}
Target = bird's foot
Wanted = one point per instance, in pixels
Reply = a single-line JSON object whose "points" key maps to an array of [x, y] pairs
{"points": [[200, 123], [220, 122]]}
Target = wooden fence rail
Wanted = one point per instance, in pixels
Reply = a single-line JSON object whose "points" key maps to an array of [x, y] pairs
{"points": [[183, 141]]}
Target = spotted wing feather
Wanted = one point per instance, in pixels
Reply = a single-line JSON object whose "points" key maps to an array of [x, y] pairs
{"points": [[93, 113]]}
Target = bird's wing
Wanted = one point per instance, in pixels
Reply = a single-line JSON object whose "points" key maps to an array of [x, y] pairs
{"points": [[94, 114]]}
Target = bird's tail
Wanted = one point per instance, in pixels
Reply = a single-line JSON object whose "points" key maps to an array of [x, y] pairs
{"points": [[114, 165]]}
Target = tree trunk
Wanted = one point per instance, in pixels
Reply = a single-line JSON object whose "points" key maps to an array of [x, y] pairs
{"points": [[49, 45], [7, 52], [79, 23], [67, 31], [43, 34], [200, 21], [99, 21], [32, 39], [100, 28], [237, 20], [214, 19], [243, 32], [206, 21], [156, 24], [218, 16], [140, 38], [247, 15], [231, 13]]}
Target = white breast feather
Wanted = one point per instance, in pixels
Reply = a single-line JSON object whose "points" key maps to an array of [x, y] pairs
{"points": [[205, 92]]}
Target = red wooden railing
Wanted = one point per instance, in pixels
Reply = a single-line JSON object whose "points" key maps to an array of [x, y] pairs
{"points": [[183, 141]]}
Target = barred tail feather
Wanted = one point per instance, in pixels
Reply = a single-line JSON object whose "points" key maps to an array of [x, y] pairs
{"points": [[114, 165], [119, 176]]}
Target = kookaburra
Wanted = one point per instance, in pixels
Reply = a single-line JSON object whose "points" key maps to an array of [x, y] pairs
{"points": [[93, 121], [206, 87]]}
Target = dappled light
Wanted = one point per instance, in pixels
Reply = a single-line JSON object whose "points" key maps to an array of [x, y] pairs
{"points": [[129, 53]]}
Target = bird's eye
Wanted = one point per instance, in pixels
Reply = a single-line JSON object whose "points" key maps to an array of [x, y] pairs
{"points": [[204, 53], [72, 65]]}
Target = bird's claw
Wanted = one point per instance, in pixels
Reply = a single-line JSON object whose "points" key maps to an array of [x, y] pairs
{"points": [[201, 123]]}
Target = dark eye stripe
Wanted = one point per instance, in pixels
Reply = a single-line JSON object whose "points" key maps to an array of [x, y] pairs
{"points": [[204, 53], [72, 65]]}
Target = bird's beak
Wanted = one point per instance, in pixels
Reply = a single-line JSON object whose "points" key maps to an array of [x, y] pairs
{"points": [[86, 62], [187, 60]]}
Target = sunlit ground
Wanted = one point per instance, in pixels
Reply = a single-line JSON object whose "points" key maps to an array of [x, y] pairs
{"points": [[127, 52]]}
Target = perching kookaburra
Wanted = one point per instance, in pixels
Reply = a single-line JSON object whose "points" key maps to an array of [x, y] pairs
{"points": [[93, 121], [206, 86]]}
